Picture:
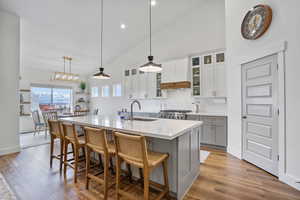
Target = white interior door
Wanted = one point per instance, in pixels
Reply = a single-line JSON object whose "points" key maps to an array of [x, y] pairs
{"points": [[260, 113]]}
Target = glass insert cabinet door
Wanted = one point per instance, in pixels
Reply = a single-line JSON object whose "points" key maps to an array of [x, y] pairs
{"points": [[158, 82], [196, 72]]}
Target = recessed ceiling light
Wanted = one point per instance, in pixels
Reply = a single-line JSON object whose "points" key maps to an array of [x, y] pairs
{"points": [[123, 26], [153, 2]]}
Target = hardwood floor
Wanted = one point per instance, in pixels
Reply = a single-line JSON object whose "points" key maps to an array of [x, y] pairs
{"points": [[221, 177]]}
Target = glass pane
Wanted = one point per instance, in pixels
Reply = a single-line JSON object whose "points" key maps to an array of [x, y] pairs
{"points": [[196, 81], [158, 93], [207, 59], [117, 90], [127, 72], [196, 71], [133, 71], [40, 96], [195, 61], [95, 91], [62, 98], [220, 57], [196, 91], [105, 91]]}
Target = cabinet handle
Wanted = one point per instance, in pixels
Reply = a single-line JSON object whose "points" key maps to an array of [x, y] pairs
{"points": [[244, 117]]}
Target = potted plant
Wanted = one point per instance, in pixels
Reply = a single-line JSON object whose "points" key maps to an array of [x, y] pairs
{"points": [[82, 86]]}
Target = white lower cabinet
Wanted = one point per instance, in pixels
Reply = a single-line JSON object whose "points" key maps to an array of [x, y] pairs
{"points": [[214, 130]]}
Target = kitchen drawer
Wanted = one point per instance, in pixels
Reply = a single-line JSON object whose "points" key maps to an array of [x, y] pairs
{"points": [[213, 121], [193, 117]]}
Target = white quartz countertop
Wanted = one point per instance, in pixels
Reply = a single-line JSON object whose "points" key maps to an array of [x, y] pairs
{"points": [[213, 114], [160, 128]]}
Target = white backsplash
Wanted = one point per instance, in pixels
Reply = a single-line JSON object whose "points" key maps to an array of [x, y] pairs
{"points": [[179, 99]]}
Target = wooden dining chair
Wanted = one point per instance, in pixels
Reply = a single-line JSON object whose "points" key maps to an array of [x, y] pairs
{"points": [[96, 141], [71, 137], [132, 149], [56, 134], [49, 115]]}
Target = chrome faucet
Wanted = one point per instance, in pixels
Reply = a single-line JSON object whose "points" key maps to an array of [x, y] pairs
{"points": [[131, 108]]}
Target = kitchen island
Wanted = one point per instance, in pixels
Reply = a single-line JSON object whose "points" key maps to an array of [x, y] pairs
{"points": [[179, 138]]}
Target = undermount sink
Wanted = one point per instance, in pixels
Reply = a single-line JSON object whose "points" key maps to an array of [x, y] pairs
{"points": [[143, 119]]}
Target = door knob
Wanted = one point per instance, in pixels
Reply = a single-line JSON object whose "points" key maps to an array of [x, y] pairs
{"points": [[244, 117]]}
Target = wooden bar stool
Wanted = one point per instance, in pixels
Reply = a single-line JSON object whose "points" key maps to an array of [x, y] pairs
{"points": [[96, 141], [56, 134], [71, 137], [132, 149]]}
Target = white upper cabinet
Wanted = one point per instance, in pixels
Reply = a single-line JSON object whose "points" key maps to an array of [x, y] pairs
{"points": [[208, 74], [140, 85], [175, 70]]}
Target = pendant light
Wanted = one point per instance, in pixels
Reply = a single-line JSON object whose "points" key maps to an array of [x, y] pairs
{"points": [[101, 74], [150, 66], [66, 76]]}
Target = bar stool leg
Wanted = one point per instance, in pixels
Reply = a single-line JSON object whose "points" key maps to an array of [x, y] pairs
{"points": [[76, 164], [51, 150], [66, 143], [61, 155], [88, 157], [129, 172], [106, 174], [146, 184], [118, 166]]}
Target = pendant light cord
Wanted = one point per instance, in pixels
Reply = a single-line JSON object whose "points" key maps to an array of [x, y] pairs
{"points": [[150, 25], [64, 64], [101, 34], [70, 65]]}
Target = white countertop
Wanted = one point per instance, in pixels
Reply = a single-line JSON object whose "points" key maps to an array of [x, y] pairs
{"points": [[161, 128], [213, 114]]}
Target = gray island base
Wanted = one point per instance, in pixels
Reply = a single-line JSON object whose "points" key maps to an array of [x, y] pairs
{"points": [[179, 138]]}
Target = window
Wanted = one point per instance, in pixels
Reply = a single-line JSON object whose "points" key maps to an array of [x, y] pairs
{"points": [[105, 91], [117, 90], [46, 97], [95, 92]]}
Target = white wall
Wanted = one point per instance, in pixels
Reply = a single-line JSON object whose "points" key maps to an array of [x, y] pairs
{"points": [[31, 76], [202, 29], [9, 82], [285, 27]]}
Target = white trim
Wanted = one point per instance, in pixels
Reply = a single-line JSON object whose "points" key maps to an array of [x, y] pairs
{"points": [[290, 180], [278, 49], [263, 52], [234, 151], [9, 150]]}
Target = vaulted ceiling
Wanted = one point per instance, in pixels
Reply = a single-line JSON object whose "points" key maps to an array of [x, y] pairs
{"points": [[51, 29]]}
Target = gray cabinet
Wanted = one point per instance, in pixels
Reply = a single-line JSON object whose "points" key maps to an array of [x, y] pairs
{"points": [[214, 130]]}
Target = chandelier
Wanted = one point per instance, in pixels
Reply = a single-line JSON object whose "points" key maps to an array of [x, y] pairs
{"points": [[66, 76]]}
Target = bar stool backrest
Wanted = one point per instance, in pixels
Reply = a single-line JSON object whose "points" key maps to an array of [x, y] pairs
{"points": [[132, 148], [96, 139], [69, 132], [55, 128]]}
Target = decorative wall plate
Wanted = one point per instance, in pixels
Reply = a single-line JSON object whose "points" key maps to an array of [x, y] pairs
{"points": [[256, 22]]}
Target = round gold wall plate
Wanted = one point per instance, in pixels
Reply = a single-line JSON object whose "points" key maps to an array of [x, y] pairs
{"points": [[256, 22]]}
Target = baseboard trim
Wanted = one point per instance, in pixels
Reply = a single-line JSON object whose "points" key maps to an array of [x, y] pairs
{"points": [[234, 152], [10, 150], [290, 180]]}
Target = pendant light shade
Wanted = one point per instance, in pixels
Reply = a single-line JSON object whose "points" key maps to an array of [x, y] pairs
{"points": [[150, 66], [101, 75]]}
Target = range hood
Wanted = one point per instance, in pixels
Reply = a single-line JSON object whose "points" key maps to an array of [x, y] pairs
{"points": [[175, 85]]}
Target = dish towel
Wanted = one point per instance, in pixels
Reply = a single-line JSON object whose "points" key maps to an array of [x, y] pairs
{"points": [[5, 191]]}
